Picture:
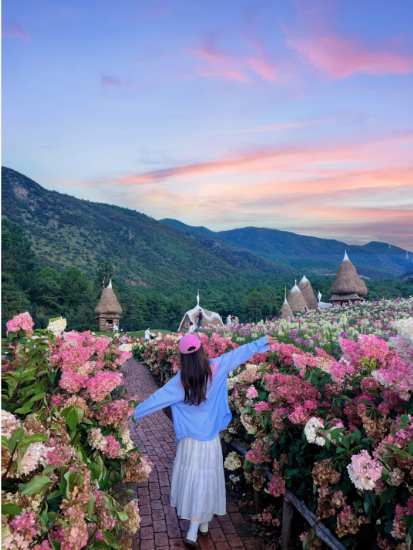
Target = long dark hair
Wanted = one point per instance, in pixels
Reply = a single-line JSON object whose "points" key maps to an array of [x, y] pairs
{"points": [[195, 374]]}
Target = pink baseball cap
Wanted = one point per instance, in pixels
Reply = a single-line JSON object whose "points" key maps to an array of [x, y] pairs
{"points": [[189, 344]]}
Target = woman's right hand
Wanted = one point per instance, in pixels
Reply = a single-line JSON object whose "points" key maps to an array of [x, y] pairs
{"points": [[272, 340]]}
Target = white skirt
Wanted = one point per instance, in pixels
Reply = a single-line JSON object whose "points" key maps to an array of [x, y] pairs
{"points": [[198, 481]]}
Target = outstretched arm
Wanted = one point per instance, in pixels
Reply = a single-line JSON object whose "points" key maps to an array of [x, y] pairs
{"points": [[235, 358], [166, 396]]}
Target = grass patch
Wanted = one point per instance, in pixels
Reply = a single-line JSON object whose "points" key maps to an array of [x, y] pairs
{"points": [[137, 333]]}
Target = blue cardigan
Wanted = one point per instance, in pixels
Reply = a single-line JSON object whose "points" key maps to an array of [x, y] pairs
{"points": [[203, 422]]}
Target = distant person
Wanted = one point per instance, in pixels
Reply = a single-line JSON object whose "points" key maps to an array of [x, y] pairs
{"points": [[191, 328], [115, 328], [148, 334], [235, 321], [229, 320], [198, 397], [200, 318]]}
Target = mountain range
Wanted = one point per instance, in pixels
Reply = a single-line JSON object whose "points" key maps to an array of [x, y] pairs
{"points": [[67, 231], [312, 254]]}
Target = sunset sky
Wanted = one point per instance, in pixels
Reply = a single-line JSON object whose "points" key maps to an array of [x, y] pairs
{"points": [[288, 114]]}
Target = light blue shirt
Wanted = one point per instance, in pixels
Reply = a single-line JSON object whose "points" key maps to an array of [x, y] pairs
{"points": [[203, 422]]}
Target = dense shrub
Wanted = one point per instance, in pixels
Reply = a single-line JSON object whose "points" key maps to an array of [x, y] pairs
{"points": [[65, 442]]}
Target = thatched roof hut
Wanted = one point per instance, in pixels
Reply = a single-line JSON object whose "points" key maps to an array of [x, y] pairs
{"points": [[296, 299], [108, 310], [307, 291], [209, 317], [347, 285], [108, 303], [286, 311]]}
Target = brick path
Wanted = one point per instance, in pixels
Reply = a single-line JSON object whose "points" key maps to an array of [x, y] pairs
{"points": [[160, 526]]}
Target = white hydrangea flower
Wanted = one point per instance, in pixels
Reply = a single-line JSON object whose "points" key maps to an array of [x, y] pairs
{"points": [[57, 327], [310, 431], [232, 462]]}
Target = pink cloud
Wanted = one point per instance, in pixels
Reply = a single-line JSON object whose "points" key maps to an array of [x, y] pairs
{"points": [[219, 63], [265, 128], [338, 54], [318, 159], [342, 56], [11, 29]]}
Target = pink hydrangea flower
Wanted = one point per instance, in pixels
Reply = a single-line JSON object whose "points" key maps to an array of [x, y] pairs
{"points": [[103, 383], [252, 392], [22, 321], [112, 447], [364, 471]]}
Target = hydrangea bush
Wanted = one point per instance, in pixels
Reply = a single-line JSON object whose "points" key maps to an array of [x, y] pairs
{"points": [[323, 328], [334, 428], [66, 445]]}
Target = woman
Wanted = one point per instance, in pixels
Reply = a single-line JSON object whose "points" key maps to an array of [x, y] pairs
{"points": [[198, 397]]}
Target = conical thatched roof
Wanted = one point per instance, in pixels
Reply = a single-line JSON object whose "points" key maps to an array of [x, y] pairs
{"points": [[347, 281], [307, 291], [286, 312], [296, 300], [108, 303]]}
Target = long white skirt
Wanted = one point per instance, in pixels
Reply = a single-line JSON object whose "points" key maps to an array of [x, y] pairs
{"points": [[198, 481]]}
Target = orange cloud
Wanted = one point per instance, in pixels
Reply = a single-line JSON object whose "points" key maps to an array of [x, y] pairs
{"points": [[319, 159]]}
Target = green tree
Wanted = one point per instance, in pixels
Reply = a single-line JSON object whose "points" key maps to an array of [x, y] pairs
{"points": [[49, 290], [18, 271], [255, 303]]}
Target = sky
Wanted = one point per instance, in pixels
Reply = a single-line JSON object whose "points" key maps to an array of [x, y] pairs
{"points": [[289, 114]]}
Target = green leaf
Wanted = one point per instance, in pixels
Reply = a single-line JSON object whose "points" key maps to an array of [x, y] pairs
{"points": [[17, 436], [10, 510], [110, 539], [346, 443], [4, 442], [411, 447], [23, 410], [387, 496], [80, 413], [49, 469], [123, 516], [36, 485], [55, 545], [35, 438], [357, 434], [72, 419], [404, 419], [95, 470], [101, 544], [37, 397]]}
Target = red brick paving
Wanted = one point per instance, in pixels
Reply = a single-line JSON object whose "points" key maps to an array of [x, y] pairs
{"points": [[161, 529]]}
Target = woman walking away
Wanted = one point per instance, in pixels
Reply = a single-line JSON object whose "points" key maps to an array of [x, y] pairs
{"points": [[199, 399]]}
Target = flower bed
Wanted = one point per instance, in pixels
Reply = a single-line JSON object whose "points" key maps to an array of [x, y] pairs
{"points": [[335, 429], [65, 442], [324, 328]]}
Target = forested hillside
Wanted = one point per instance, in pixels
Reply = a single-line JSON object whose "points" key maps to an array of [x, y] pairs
{"points": [[310, 254], [69, 232]]}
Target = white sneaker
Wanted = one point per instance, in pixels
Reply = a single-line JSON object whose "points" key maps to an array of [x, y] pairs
{"points": [[203, 529], [191, 537]]}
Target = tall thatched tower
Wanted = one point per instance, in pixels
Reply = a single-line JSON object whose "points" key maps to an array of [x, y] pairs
{"points": [[347, 286], [108, 310], [286, 311], [307, 291], [296, 299]]}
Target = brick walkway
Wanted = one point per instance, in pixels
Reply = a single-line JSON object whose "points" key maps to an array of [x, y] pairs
{"points": [[160, 526]]}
